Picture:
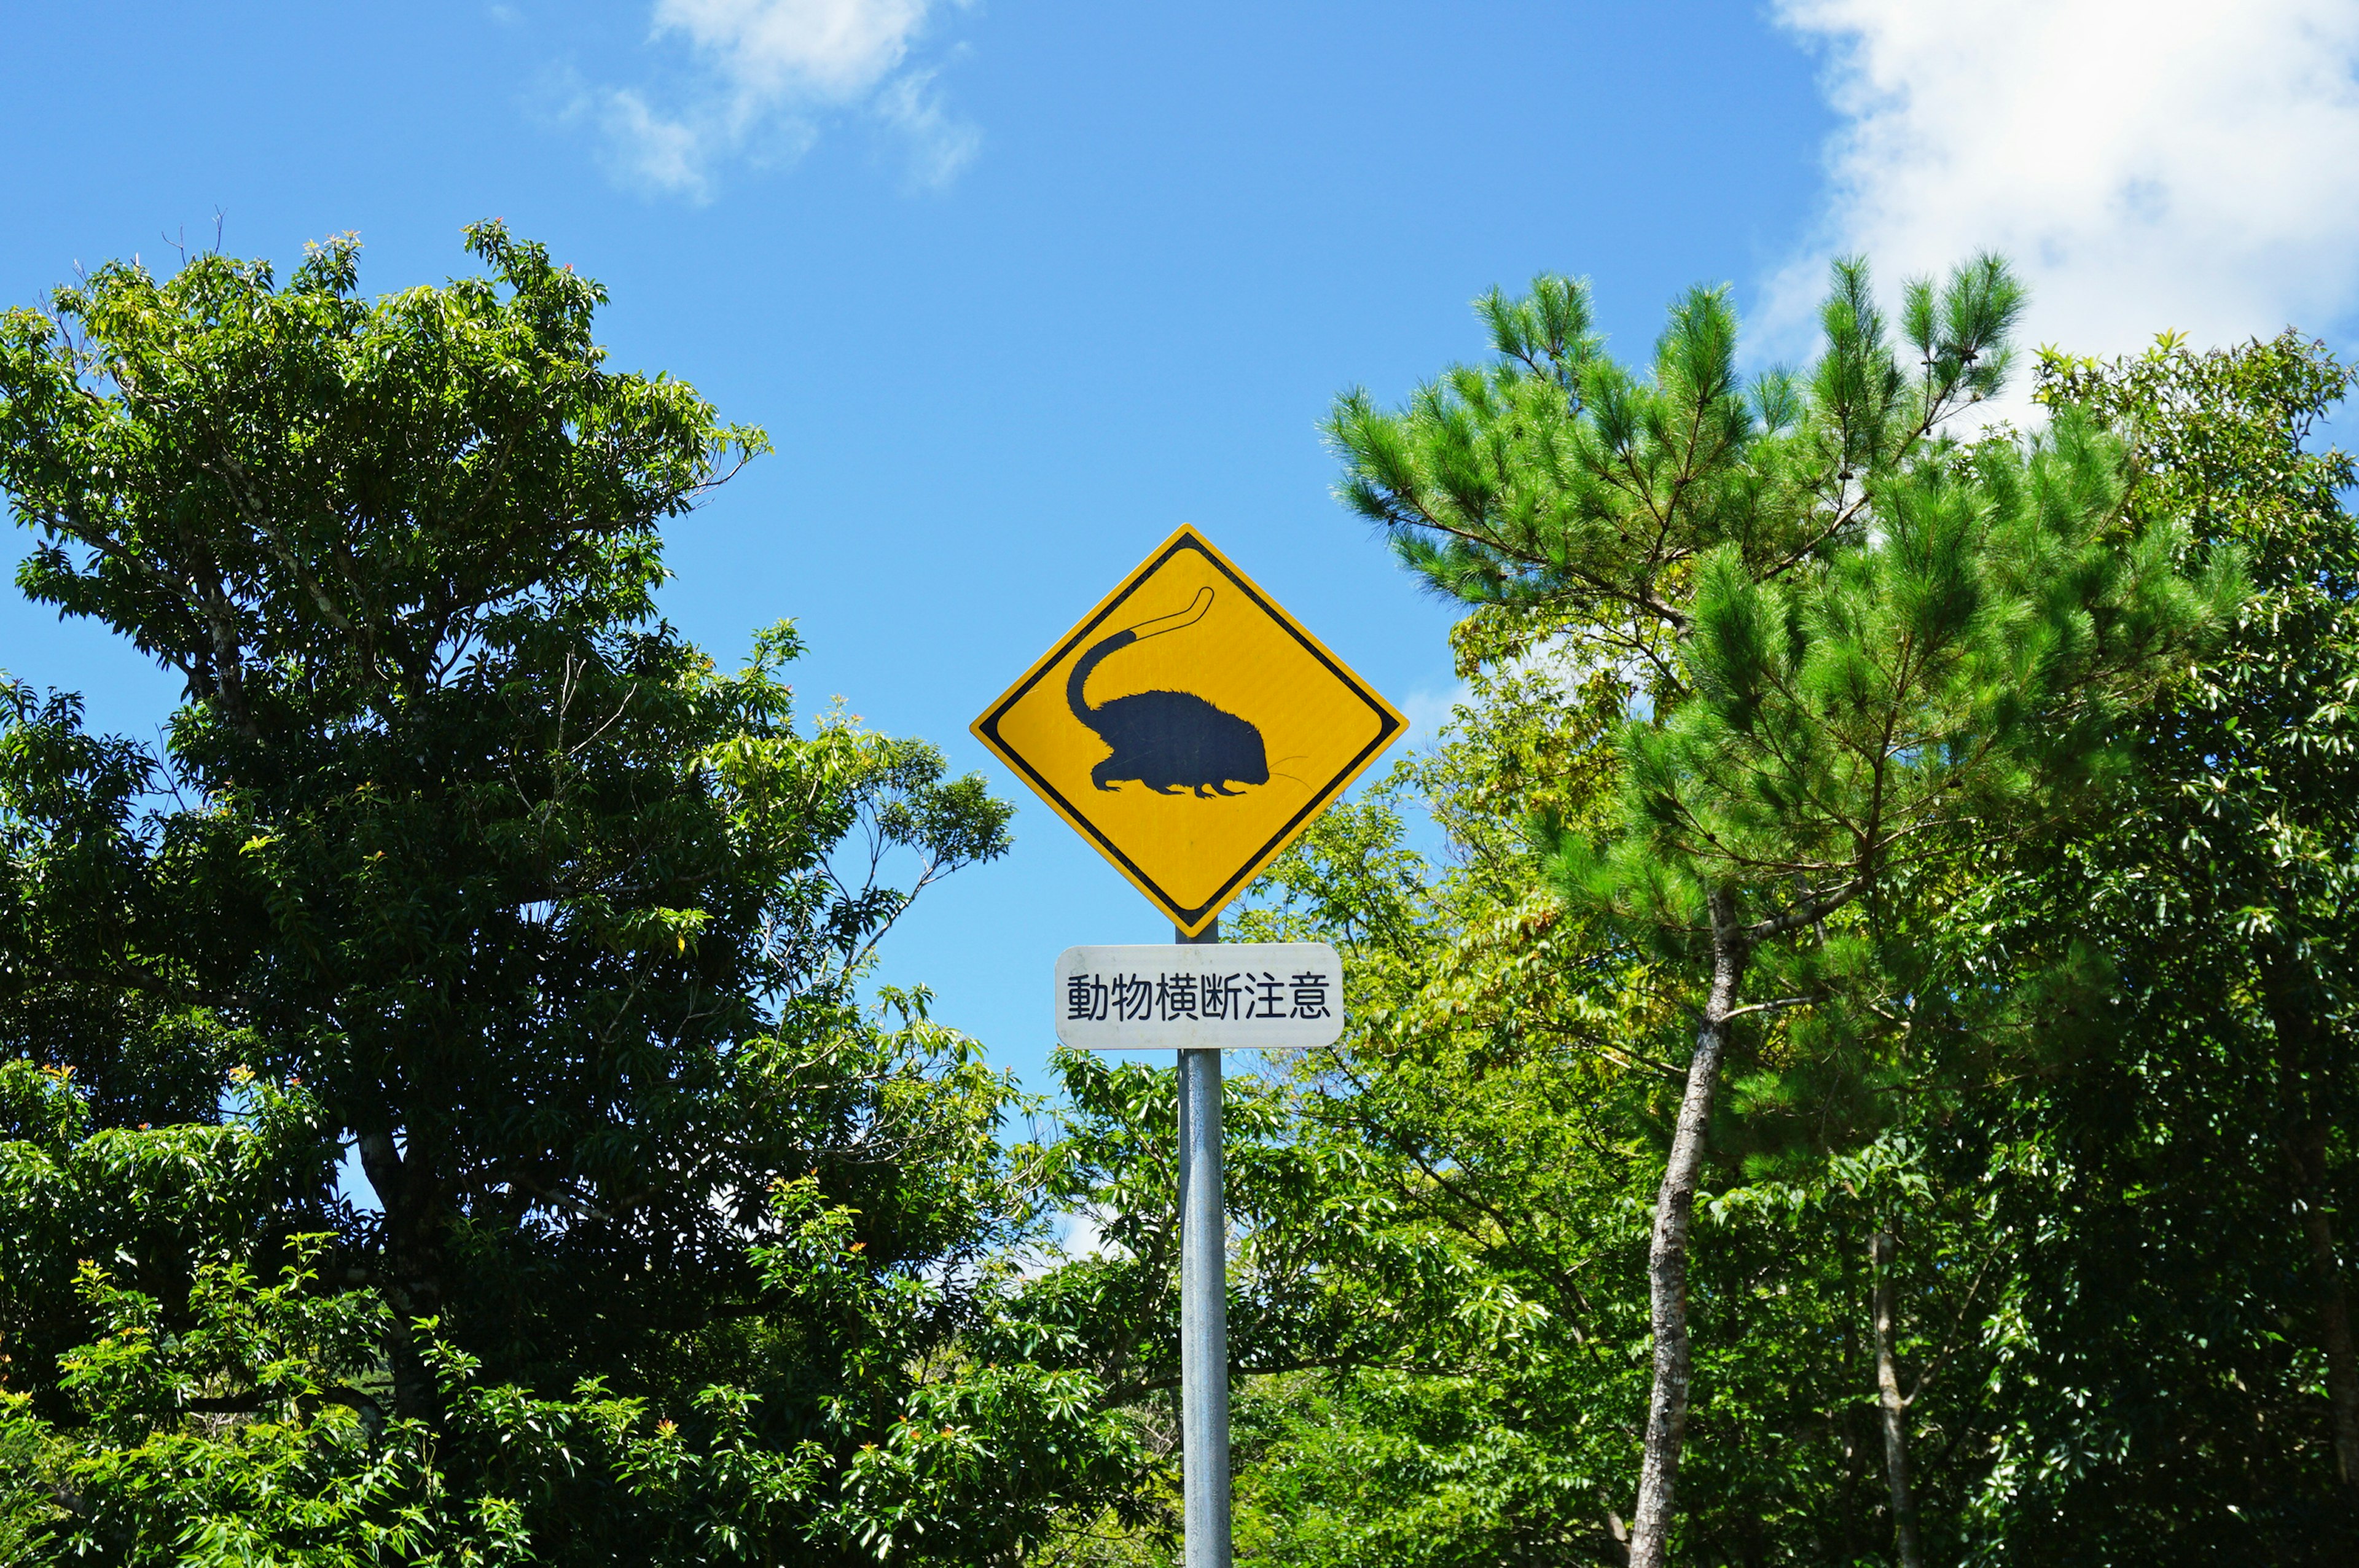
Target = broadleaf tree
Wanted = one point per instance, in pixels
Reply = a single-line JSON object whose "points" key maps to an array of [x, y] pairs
{"points": [[459, 861], [2247, 815]]}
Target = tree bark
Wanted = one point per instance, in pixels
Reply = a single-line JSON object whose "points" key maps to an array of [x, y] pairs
{"points": [[2293, 1012], [408, 1275], [1666, 1258], [2333, 1308], [1883, 1253], [2334, 1329]]}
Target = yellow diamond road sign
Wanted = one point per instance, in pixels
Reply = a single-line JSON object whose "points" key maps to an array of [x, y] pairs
{"points": [[1188, 728]]}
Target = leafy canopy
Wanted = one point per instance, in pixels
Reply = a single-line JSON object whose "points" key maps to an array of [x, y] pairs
{"points": [[461, 863]]}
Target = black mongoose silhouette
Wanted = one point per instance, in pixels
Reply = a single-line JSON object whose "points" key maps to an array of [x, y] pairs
{"points": [[1168, 740]]}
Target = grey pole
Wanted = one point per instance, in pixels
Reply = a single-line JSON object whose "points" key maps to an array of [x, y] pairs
{"points": [[1203, 1304]]}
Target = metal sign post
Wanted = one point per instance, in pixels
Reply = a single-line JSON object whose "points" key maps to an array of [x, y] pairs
{"points": [[1203, 996], [1191, 728], [1204, 1303]]}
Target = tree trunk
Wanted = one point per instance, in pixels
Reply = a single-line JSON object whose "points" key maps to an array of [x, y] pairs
{"points": [[2334, 1329], [408, 1275], [2293, 1011], [1883, 1253], [2333, 1307], [1666, 1258]]}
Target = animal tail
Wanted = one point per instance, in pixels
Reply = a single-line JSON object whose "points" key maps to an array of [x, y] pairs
{"points": [[1098, 650], [1187, 617]]}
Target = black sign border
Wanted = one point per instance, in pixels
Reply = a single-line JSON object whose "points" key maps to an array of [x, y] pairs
{"points": [[1191, 918]]}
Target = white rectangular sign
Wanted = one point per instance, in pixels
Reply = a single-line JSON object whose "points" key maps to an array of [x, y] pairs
{"points": [[1228, 996]]}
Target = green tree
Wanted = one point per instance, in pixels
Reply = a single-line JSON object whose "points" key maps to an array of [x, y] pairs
{"points": [[1867, 650], [2250, 809], [1497, 1102], [2173, 1377], [460, 858]]}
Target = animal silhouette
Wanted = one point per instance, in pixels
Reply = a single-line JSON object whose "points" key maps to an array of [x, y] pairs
{"points": [[1168, 740]]}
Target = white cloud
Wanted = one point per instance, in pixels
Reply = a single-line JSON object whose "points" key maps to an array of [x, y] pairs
{"points": [[1428, 710], [765, 73], [2147, 164], [828, 49], [1083, 1236], [652, 150], [939, 144]]}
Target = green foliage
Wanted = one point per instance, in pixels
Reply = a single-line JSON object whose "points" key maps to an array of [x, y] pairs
{"points": [[241, 1436], [304, 501], [1491, 1104], [1852, 631], [2174, 1363], [1869, 654], [151, 1206], [460, 865], [1557, 476], [1880, 676], [2009, 779], [1865, 654]]}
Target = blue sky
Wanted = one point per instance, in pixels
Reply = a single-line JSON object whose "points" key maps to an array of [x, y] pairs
{"points": [[1017, 289]]}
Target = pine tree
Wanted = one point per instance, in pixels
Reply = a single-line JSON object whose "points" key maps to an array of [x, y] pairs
{"points": [[1860, 650]]}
